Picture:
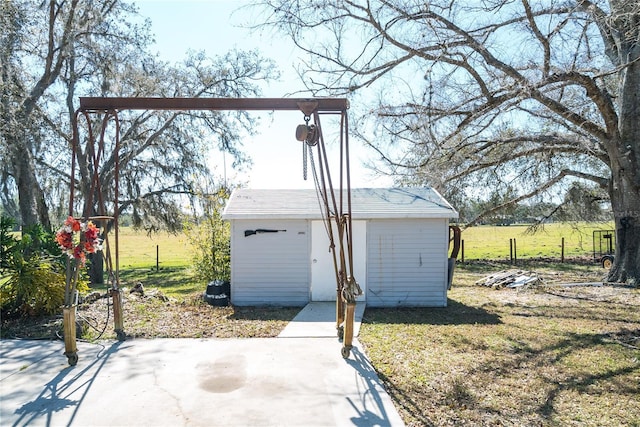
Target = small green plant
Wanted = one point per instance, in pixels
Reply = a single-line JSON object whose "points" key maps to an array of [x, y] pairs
{"points": [[210, 237], [32, 272]]}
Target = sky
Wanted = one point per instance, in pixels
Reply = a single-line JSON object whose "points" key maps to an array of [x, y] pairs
{"points": [[216, 26]]}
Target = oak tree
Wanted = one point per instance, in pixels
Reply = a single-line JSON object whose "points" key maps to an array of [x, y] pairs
{"points": [[498, 94]]}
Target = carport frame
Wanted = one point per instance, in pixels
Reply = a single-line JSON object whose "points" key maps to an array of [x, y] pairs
{"points": [[336, 209]]}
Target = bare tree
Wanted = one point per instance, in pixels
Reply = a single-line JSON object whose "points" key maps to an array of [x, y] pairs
{"points": [[53, 52], [39, 41], [489, 93]]}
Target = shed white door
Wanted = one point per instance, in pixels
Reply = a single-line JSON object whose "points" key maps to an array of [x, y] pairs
{"points": [[323, 276]]}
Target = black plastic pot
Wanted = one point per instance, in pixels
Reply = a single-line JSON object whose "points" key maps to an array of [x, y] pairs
{"points": [[215, 288], [226, 286], [220, 300]]}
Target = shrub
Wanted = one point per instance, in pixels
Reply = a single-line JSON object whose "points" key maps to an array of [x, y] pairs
{"points": [[32, 287], [32, 272], [210, 237]]}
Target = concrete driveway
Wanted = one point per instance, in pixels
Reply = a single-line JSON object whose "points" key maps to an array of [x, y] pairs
{"points": [[297, 379]]}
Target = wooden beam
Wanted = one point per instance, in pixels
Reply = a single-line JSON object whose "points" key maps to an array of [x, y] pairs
{"points": [[249, 104]]}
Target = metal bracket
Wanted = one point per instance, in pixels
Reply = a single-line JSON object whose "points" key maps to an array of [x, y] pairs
{"points": [[308, 107]]}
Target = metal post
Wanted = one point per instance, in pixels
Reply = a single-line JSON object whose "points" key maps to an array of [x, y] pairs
{"points": [[348, 329], [118, 321], [69, 332], [510, 251]]}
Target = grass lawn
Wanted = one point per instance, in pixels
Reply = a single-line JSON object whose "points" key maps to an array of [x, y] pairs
{"points": [[160, 261], [163, 260], [492, 242], [549, 355], [139, 250]]}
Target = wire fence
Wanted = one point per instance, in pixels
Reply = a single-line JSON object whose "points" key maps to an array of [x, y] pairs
{"points": [[137, 250], [559, 242]]}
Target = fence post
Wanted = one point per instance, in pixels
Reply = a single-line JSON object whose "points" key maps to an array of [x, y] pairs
{"points": [[562, 251], [157, 258], [510, 251], [462, 249]]}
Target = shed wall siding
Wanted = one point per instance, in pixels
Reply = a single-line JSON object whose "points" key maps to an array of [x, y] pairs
{"points": [[407, 262], [270, 268]]}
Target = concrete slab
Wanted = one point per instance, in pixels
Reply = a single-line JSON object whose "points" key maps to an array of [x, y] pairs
{"points": [[318, 319], [190, 382]]}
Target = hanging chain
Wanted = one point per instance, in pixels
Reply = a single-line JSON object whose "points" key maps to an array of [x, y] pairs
{"points": [[304, 150], [304, 160]]}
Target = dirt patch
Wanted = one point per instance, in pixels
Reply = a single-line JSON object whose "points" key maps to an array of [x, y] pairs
{"points": [[156, 315]]}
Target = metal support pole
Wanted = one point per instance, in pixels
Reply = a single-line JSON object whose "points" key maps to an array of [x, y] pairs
{"points": [[118, 321], [349, 321], [340, 314], [69, 332]]}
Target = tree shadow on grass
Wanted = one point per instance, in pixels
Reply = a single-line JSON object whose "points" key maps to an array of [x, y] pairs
{"points": [[548, 400], [581, 384], [455, 313], [560, 378], [548, 369]]}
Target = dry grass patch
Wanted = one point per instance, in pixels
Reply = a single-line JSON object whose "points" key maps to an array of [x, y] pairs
{"points": [[158, 316], [549, 355]]}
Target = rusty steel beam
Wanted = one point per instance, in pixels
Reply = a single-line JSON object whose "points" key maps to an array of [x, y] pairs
{"points": [[263, 104]]}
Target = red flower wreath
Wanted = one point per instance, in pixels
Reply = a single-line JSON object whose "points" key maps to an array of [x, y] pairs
{"points": [[88, 242]]}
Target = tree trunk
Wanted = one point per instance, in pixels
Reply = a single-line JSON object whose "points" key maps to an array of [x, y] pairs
{"points": [[33, 208], [96, 269], [625, 175], [626, 268]]}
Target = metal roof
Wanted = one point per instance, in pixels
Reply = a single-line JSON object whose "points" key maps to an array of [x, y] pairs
{"points": [[366, 203]]}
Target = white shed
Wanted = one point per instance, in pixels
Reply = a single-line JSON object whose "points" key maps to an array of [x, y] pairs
{"points": [[280, 247]]}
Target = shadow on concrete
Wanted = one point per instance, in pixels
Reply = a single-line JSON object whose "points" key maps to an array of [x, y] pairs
{"points": [[369, 394], [33, 355], [53, 397]]}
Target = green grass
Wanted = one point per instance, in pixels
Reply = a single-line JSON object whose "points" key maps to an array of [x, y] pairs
{"points": [[160, 260], [174, 276], [173, 281], [138, 250], [546, 356], [492, 242]]}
